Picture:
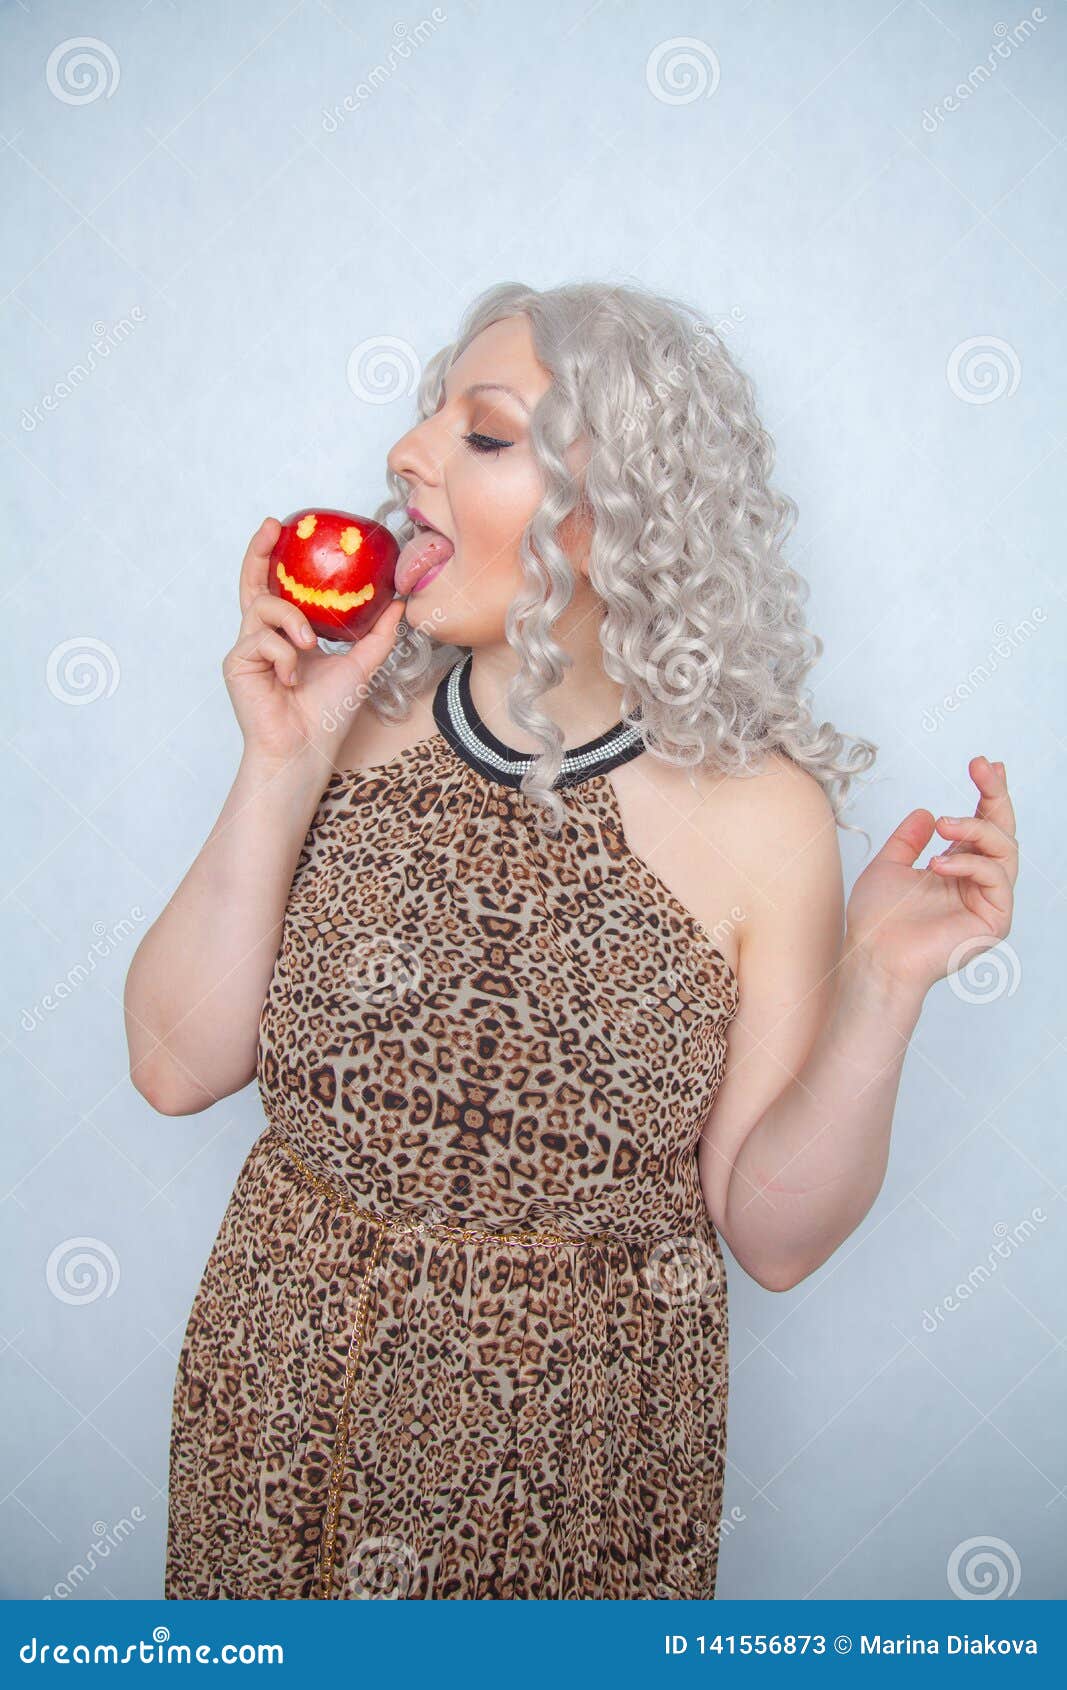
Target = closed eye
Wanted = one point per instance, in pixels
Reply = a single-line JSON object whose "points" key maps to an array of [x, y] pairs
{"points": [[486, 443]]}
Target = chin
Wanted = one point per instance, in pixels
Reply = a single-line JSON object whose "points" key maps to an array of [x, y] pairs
{"points": [[456, 624], [453, 616]]}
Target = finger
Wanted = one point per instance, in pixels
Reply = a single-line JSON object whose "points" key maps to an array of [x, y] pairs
{"points": [[911, 837], [984, 835], [994, 803], [982, 872], [255, 565], [370, 651], [271, 650], [268, 610]]}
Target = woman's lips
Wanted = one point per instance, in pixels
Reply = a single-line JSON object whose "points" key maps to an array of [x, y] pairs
{"points": [[424, 556], [431, 575]]}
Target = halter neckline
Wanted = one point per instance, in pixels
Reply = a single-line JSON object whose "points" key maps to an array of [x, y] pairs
{"points": [[456, 716]]}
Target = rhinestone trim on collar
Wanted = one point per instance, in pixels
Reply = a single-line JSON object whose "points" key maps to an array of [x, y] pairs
{"points": [[457, 718]]}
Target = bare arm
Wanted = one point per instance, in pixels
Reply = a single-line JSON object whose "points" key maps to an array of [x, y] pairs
{"points": [[813, 1164], [795, 1149], [196, 986]]}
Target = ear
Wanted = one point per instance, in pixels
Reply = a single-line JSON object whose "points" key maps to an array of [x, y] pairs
{"points": [[575, 536]]}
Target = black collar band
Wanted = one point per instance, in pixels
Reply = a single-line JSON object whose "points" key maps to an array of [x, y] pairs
{"points": [[467, 734]]}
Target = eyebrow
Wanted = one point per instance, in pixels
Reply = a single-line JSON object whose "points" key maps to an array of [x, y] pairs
{"points": [[495, 387]]}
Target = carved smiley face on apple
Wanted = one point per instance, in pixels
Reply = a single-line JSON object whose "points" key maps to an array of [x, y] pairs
{"points": [[338, 568]]}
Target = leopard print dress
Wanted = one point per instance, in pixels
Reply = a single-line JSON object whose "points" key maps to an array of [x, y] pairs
{"points": [[463, 1332]]}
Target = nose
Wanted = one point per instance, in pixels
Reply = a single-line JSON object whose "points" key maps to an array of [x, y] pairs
{"points": [[414, 459]]}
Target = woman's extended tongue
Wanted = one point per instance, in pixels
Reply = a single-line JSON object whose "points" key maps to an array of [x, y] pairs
{"points": [[423, 552]]}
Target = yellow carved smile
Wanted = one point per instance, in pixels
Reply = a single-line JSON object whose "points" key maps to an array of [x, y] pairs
{"points": [[324, 598]]}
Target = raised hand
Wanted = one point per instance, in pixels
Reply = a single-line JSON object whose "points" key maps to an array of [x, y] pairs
{"points": [[919, 925]]}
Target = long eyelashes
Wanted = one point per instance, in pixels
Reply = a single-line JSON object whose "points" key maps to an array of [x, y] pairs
{"points": [[486, 443]]}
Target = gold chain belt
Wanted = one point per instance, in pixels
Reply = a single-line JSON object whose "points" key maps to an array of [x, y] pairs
{"points": [[460, 1234], [385, 1226]]}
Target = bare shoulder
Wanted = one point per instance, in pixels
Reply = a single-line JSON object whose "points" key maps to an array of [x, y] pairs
{"points": [[779, 809], [734, 848], [372, 739]]}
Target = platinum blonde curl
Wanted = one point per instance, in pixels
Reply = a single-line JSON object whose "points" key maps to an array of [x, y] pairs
{"points": [[703, 623]]}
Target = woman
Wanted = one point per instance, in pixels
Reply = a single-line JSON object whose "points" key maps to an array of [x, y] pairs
{"points": [[528, 920]]}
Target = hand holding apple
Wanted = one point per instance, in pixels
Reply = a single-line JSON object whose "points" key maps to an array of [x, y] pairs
{"points": [[290, 696], [337, 568]]}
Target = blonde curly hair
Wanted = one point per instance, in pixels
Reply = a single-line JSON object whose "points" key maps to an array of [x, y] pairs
{"points": [[703, 623]]}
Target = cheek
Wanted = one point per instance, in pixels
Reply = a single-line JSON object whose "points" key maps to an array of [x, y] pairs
{"points": [[494, 515]]}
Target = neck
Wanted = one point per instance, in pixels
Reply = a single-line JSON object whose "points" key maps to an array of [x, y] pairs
{"points": [[585, 703]]}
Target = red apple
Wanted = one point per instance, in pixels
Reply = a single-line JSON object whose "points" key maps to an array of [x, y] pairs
{"points": [[337, 567]]}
